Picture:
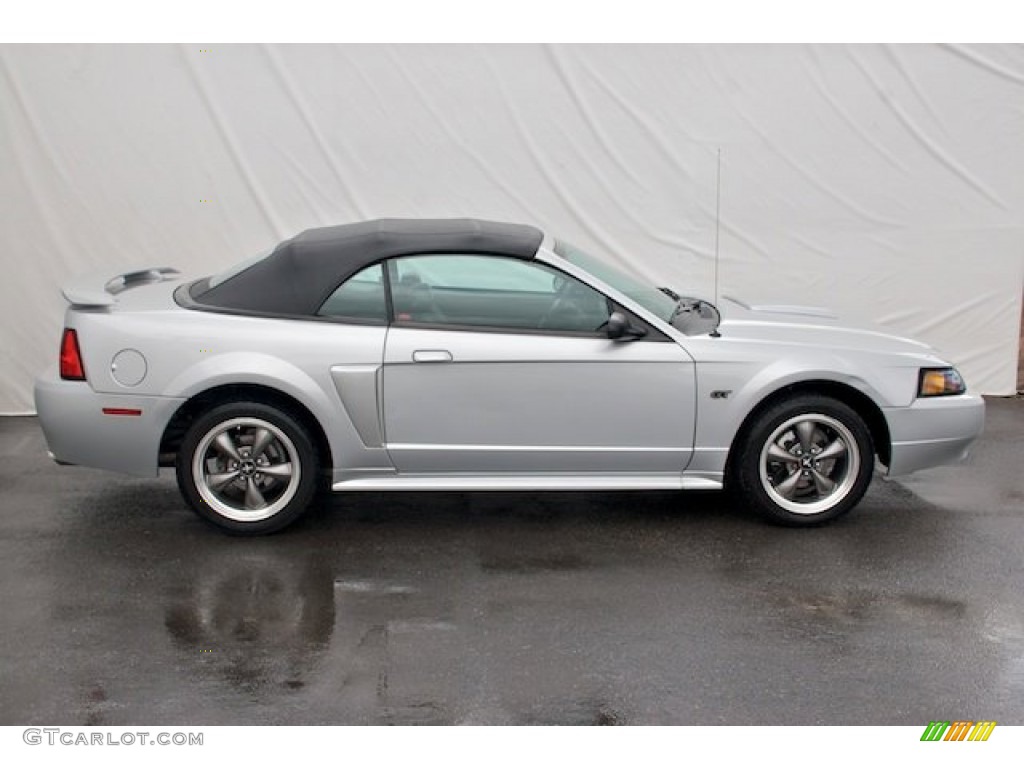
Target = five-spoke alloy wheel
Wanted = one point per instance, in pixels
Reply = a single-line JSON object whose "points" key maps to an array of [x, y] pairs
{"points": [[804, 461], [247, 467]]}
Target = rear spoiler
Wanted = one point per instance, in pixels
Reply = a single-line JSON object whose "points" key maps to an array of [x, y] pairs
{"points": [[98, 290]]}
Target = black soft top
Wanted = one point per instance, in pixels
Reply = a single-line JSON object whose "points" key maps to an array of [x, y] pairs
{"points": [[299, 275]]}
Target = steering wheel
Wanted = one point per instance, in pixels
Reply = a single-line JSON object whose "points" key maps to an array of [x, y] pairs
{"points": [[563, 299]]}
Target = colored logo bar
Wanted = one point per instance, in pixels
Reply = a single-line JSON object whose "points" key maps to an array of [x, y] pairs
{"points": [[958, 730]]}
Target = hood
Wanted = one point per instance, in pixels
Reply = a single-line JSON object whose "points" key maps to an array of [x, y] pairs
{"points": [[808, 325]]}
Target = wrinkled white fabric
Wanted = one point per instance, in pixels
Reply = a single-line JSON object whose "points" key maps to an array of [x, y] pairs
{"points": [[884, 182]]}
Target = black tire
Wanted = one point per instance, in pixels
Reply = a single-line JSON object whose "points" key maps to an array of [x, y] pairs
{"points": [[803, 461], [248, 467]]}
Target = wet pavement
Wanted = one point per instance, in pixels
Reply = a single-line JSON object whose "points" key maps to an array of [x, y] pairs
{"points": [[120, 607]]}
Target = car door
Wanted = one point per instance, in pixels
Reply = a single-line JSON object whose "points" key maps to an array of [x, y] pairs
{"points": [[499, 365]]}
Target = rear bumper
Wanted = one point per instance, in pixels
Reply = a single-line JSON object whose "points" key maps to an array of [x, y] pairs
{"points": [[934, 431], [77, 430]]}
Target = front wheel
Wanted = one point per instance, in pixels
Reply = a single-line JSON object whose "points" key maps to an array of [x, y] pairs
{"points": [[804, 461], [249, 468]]}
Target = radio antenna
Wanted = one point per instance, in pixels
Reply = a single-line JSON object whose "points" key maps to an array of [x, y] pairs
{"points": [[718, 217]]}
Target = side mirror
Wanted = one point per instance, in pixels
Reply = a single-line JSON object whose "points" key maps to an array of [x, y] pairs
{"points": [[619, 328]]}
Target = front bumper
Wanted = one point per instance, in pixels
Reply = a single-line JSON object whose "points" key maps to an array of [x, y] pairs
{"points": [[933, 431], [77, 430]]}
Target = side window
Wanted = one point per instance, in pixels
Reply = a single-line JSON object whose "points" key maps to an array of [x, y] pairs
{"points": [[360, 298], [493, 292]]}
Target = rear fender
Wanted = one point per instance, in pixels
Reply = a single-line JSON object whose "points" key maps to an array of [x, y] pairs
{"points": [[250, 368]]}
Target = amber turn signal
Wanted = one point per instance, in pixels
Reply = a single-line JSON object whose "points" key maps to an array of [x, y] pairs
{"points": [[935, 382]]}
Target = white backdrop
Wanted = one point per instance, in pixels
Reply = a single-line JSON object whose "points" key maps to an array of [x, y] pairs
{"points": [[885, 182]]}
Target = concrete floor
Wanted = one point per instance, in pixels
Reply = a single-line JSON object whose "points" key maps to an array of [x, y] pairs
{"points": [[120, 607]]}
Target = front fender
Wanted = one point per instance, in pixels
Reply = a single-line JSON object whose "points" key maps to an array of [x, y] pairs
{"points": [[728, 391]]}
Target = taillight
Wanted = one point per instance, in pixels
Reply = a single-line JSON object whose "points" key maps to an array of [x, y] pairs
{"points": [[71, 357]]}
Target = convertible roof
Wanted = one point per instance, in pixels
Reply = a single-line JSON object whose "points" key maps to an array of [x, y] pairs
{"points": [[299, 275]]}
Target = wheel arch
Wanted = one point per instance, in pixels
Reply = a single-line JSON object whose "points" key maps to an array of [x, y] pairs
{"points": [[174, 432], [865, 407]]}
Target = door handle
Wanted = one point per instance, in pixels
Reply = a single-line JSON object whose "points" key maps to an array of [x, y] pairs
{"points": [[431, 356]]}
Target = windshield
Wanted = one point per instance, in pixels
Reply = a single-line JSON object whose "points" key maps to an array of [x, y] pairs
{"points": [[651, 298], [691, 316]]}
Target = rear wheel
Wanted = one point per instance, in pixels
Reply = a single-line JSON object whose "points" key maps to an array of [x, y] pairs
{"points": [[804, 461], [248, 467]]}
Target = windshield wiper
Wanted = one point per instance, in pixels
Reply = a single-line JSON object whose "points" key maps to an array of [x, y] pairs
{"points": [[670, 293], [684, 305]]}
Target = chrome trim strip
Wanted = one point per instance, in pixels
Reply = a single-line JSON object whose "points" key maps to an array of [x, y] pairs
{"points": [[527, 483], [932, 441], [533, 448]]}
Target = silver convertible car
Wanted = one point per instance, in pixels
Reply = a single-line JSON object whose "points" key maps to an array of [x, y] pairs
{"points": [[472, 355]]}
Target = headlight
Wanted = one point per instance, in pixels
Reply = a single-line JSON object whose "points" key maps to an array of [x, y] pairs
{"points": [[935, 382]]}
